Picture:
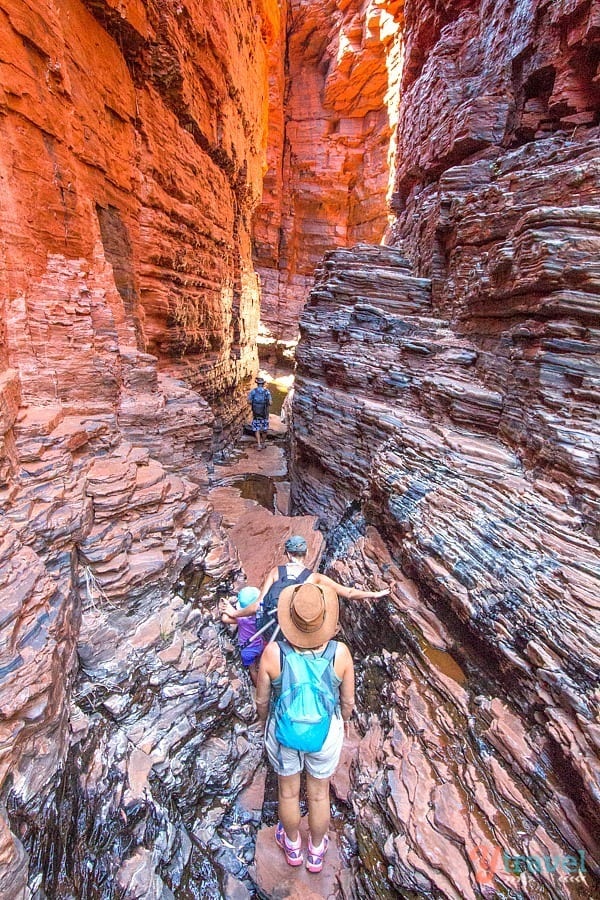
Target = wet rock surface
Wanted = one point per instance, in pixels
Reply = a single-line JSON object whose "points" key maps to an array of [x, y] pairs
{"points": [[278, 881], [115, 689], [455, 794], [251, 516]]}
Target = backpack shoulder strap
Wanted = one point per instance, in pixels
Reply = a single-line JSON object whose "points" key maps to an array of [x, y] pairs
{"points": [[304, 574], [284, 648], [330, 651], [281, 573]]}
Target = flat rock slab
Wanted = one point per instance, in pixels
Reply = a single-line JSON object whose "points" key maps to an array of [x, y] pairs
{"points": [[278, 881], [257, 534], [270, 461]]}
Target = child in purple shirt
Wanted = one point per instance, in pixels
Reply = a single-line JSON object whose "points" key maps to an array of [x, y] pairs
{"points": [[246, 631]]}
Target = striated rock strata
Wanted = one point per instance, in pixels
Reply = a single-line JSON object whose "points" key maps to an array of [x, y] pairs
{"points": [[107, 672], [131, 161], [447, 392], [392, 414], [454, 794]]}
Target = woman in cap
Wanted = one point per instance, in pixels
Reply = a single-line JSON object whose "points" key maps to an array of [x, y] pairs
{"points": [[308, 617], [296, 549]]}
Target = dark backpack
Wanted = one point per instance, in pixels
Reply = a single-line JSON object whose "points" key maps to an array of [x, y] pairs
{"points": [[308, 699], [267, 611], [260, 403]]}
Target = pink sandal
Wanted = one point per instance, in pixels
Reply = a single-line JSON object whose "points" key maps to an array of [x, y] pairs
{"points": [[314, 858], [292, 850]]}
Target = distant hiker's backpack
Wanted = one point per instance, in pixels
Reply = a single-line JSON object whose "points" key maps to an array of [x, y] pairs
{"points": [[267, 611], [308, 698], [260, 403]]}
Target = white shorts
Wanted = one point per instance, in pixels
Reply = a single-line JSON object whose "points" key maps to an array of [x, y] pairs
{"points": [[323, 764]]}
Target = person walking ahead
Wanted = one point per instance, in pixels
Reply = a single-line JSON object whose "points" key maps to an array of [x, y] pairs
{"points": [[260, 400], [294, 569], [304, 694]]}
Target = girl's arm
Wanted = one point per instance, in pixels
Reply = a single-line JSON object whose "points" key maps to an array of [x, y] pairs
{"points": [[233, 612]]}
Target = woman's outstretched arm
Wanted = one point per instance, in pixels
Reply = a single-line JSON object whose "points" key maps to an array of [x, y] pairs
{"points": [[348, 593]]}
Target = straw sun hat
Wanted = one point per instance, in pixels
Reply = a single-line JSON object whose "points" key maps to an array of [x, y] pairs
{"points": [[308, 614]]}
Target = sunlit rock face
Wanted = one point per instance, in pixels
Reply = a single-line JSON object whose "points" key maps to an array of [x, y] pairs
{"points": [[131, 160], [333, 100], [132, 156]]}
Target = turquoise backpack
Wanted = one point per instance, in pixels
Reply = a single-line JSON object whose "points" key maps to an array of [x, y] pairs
{"points": [[308, 699]]}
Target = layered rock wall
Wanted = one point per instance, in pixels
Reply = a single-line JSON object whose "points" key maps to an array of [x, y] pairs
{"points": [[332, 118], [447, 389], [497, 194], [455, 794], [392, 417], [479, 75], [130, 162]]}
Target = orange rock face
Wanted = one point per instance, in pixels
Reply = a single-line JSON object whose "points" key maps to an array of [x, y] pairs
{"points": [[332, 115], [130, 162], [132, 158]]}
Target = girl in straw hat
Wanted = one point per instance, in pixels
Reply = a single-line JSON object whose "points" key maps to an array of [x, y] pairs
{"points": [[308, 618]]}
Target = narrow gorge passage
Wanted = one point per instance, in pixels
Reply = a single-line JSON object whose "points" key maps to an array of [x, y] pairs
{"points": [[401, 199]]}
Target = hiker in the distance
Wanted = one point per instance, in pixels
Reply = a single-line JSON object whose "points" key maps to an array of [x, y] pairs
{"points": [[260, 400], [305, 694], [293, 572]]}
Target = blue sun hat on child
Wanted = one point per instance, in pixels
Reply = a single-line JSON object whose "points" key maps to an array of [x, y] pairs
{"points": [[247, 595]]}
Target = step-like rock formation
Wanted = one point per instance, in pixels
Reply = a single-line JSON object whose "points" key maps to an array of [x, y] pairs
{"points": [[95, 646], [391, 413], [481, 76], [274, 878], [454, 794]]}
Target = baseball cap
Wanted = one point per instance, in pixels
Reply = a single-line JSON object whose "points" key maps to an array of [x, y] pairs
{"points": [[247, 595], [296, 544]]}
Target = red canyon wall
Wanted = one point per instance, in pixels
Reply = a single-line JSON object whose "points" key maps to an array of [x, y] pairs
{"points": [[132, 159], [332, 110], [133, 138]]}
